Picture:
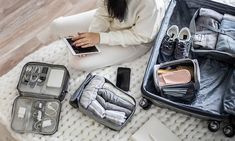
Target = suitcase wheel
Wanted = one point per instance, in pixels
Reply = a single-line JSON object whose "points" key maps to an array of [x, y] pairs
{"points": [[228, 131], [145, 103], [213, 126]]}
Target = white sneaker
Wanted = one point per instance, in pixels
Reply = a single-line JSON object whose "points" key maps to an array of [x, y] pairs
{"points": [[184, 34], [173, 32], [183, 44]]}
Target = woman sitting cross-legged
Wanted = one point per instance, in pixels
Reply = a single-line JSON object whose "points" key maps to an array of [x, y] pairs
{"points": [[123, 30]]}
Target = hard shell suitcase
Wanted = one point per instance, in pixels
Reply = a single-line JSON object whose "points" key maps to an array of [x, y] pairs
{"points": [[180, 12]]}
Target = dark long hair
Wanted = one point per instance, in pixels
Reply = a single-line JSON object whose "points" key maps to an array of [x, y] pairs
{"points": [[117, 9]]}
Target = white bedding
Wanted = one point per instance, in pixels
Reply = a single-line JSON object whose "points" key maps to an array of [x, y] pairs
{"points": [[76, 126]]}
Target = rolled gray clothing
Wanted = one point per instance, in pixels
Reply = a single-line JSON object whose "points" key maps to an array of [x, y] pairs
{"points": [[210, 13], [118, 93], [226, 41], [97, 109], [115, 116], [110, 106], [90, 92], [109, 96]]}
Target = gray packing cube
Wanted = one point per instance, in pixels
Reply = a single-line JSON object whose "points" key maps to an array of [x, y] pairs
{"points": [[226, 42], [217, 39], [186, 92], [75, 101], [214, 74], [41, 88], [204, 38]]}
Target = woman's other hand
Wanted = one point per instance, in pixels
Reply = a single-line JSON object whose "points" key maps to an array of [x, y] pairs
{"points": [[86, 39]]}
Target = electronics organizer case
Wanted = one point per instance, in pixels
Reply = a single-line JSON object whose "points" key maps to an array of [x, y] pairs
{"points": [[209, 99], [28, 97], [77, 95]]}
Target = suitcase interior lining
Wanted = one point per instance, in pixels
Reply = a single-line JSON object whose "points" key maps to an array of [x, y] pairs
{"points": [[209, 101]]}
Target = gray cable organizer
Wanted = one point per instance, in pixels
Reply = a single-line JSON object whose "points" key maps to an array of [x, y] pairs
{"points": [[37, 108]]}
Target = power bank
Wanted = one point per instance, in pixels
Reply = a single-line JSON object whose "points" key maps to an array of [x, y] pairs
{"points": [[55, 78]]}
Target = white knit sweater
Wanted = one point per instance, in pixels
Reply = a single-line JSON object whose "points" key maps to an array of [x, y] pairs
{"points": [[142, 23]]}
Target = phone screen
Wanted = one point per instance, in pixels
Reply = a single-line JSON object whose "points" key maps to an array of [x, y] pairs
{"points": [[123, 78], [79, 50]]}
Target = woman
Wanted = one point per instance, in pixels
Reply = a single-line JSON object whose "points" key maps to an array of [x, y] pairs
{"points": [[123, 30]]}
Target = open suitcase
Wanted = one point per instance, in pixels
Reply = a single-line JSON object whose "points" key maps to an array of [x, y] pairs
{"points": [[209, 107]]}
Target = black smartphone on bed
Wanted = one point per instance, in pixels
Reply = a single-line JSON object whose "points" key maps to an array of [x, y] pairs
{"points": [[79, 50], [123, 78]]}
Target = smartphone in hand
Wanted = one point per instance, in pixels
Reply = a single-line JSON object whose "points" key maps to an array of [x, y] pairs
{"points": [[123, 78]]}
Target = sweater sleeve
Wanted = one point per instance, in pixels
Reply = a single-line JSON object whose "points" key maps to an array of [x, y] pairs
{"points": [[101, 20], [143, 31]]}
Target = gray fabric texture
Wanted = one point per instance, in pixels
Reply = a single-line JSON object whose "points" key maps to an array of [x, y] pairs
{"points": [[229, 97], [106, 103], [214, 75], [97, 109], [115, 116], [109, 96], [226, 42], [110, 106], [90, 92], [206, 20]]}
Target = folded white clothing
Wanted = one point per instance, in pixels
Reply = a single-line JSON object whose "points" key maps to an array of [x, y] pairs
{"points": [[97, 109], [115, 114], [88, 95], [115, 117], [115, 120], [90, 92]]}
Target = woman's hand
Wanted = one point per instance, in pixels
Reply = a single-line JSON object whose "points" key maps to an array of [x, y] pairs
{"points": [[86, 39]]}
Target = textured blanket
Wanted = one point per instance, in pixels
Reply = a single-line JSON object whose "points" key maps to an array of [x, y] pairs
{"points": [[76, 126]]}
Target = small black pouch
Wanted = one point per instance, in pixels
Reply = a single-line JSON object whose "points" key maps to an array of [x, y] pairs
{"points": [[102, 86], [183, 93], [42, 87]]}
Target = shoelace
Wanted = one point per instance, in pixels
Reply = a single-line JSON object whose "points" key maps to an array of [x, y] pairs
{"points": [[166, 44], [181, 49]]}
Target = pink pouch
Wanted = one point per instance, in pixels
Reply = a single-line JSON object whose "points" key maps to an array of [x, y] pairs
{"points": [[175, 77]]}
